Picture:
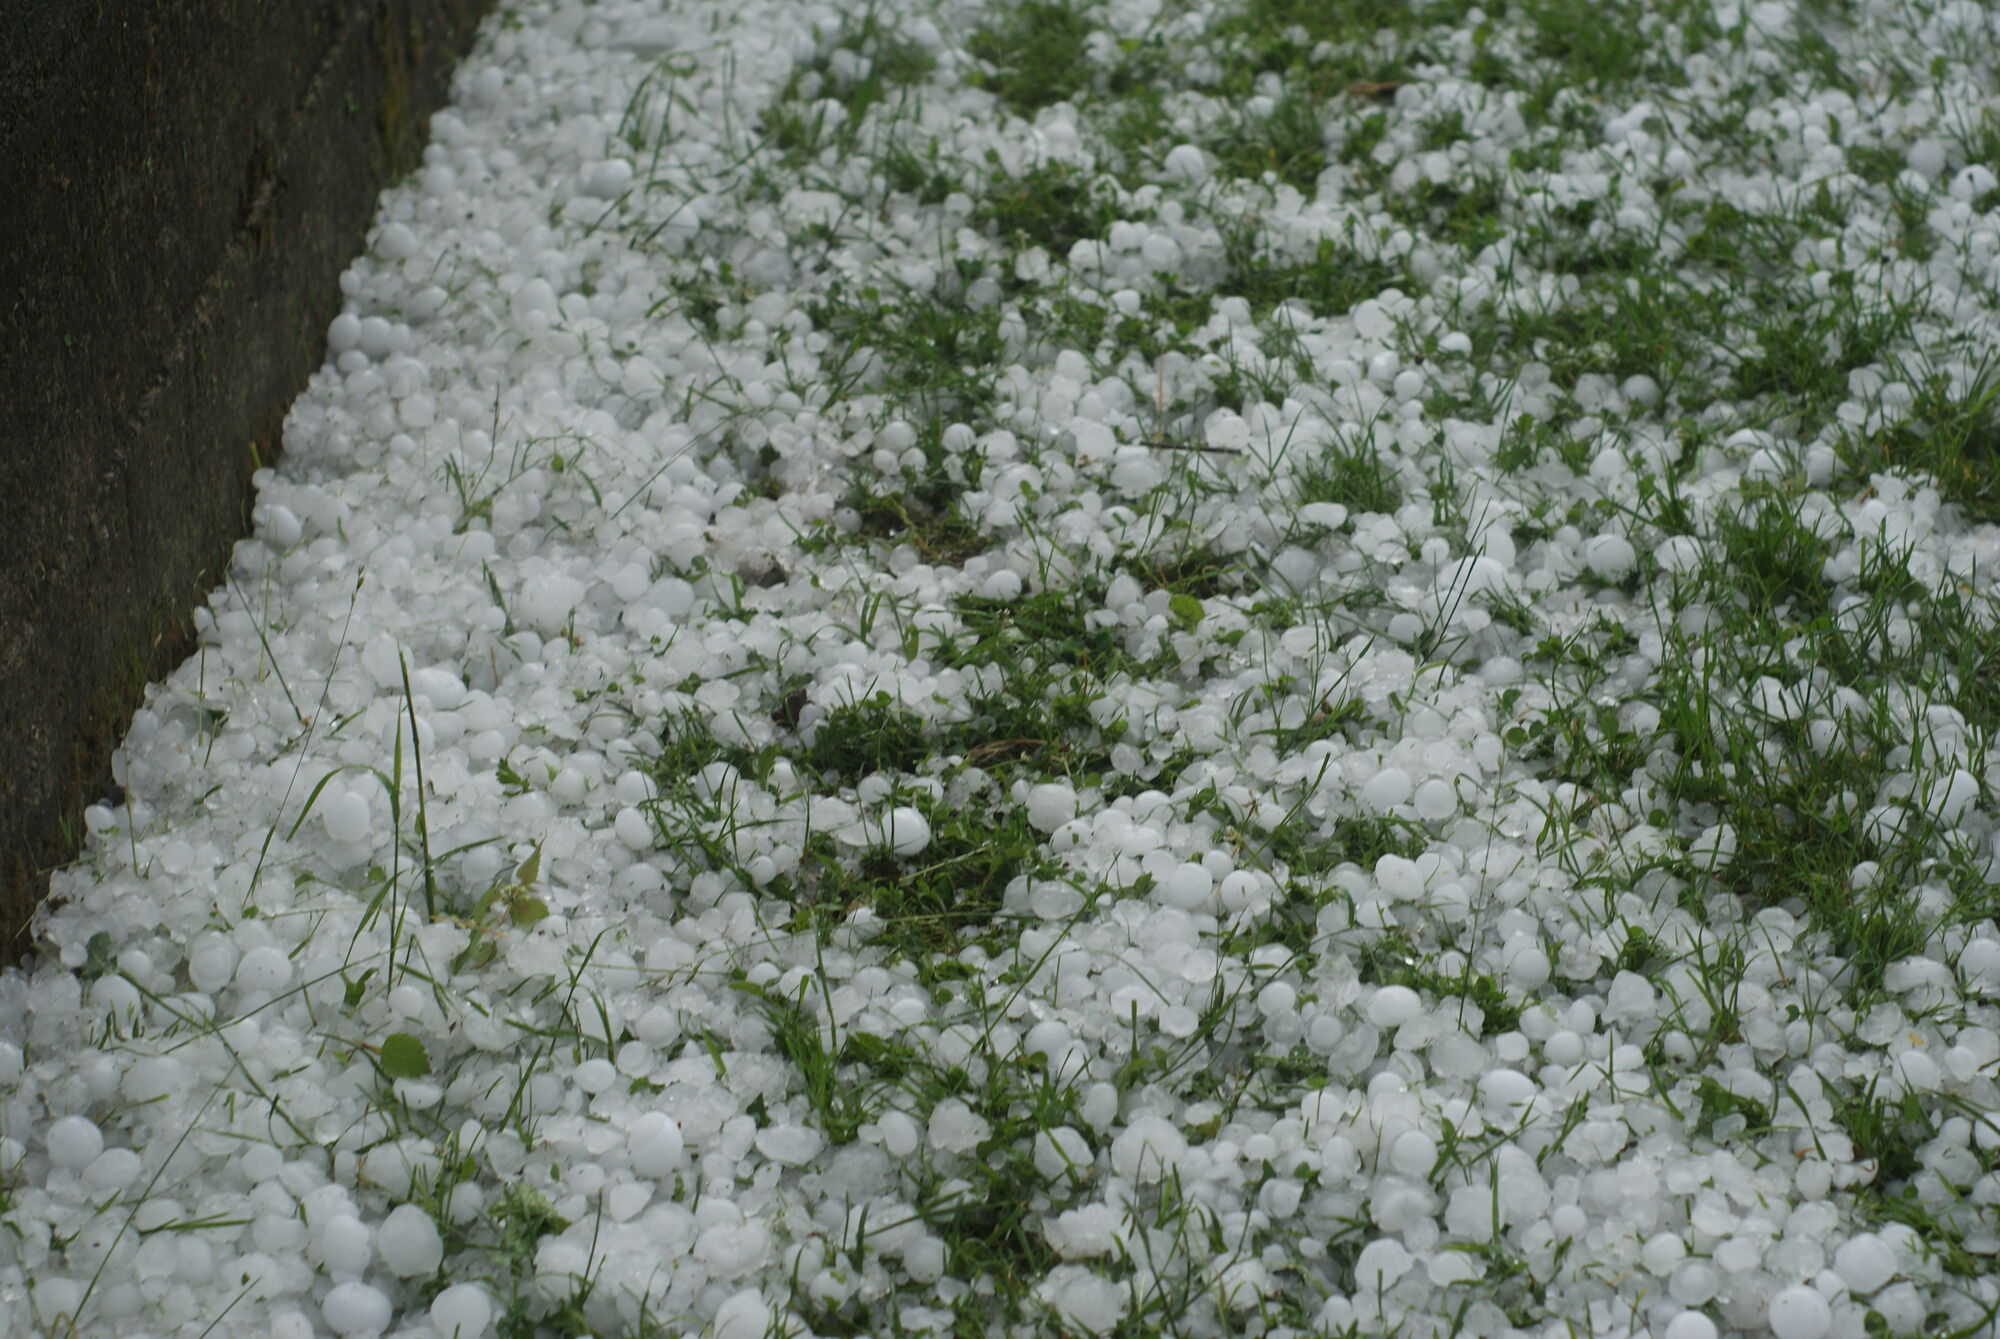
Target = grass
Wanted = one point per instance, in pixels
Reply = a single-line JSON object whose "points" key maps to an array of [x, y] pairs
{"points": [[1003, 539]]}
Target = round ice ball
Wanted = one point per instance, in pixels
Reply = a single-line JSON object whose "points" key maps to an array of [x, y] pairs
{"points": [[1690, 1325], [746, 1315], [1051, 805], [1003, 585], [266, 969], [356, 1308], [1864, 1263], [906, 831], [462, 1311], [633, 829], [343, 334], [1414, 1153], [1800, 1313], [1186, 886], [1184, 162], [212, 963], [409, 1242], [346, 1244], [1386, 789], [1609, 557], [654, 1144], [74, 1141], [344, 814], [1436, 799], [1380, 1264], [1148, 1149], [606, 180], [1394, 1006]]}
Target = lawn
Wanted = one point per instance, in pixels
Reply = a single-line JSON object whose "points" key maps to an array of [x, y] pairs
{"points": [[1146, 668]]}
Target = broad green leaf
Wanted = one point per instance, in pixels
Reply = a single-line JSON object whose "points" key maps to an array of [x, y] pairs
{"points": [[404, 1057], [531, 868]]}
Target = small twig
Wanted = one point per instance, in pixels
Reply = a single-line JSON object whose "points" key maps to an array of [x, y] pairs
{"points": [[1192, 446]]}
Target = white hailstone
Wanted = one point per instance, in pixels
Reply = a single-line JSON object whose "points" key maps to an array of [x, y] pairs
{"points": [[343, 334], [1865, 1263], [955, 1127], [355, 1307], [924, 1259], [1690, 1325], [1393, 1006], [344, 814], [634, 788], [1926, 156], [1970, 183], [345, 1244], [653, 1144], [74, 1142], [1528, 969], [1386, 789], [1948, 798], [409, 1243], [1414, 1153], [1506, 1087], [462, 1311], [266, 969], [1714, 847], [744, 1315], [1187, 887], [1640, 390], [396, 242], [1085, 1301], [54, 1296], [1919, 1072], [1381, 1263], [1662, 1251], [606, 180], [594, 1075], [113, 1169], [633, 829], [444, 690], [1279, 997], [906, 831], [1238, 890], [1186, 163], [1436, 800], [1609, 557], [1062, 1152], [789, 1145], [1402, 879], [1281, 1197], [1225, 430], [148, 1080], [1050, 805], [1003, 585], [1330, 515], [900, 1136], [1084, 1233], [1147, 1149], [1800, 1313]]}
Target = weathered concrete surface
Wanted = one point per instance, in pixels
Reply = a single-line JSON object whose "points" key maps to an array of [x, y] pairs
{"points": [[184, 183]]}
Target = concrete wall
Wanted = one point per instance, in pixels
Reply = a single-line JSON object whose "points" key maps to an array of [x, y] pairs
{"points": [[184, 181]]}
